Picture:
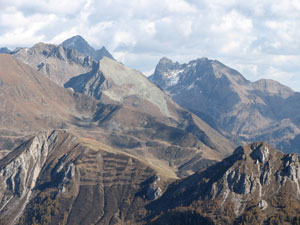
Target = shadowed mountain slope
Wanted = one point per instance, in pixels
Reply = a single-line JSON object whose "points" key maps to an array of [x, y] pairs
{"points": [[264, 110]]}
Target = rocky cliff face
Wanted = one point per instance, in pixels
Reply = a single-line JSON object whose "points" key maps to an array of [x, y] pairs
{"points": [[257, 184], [262, 110], [19, 172], [57, 178], [58, 63]]}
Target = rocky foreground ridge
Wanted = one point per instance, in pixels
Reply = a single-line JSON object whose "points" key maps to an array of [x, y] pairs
{"points": [[255, 185], [58, 178]]}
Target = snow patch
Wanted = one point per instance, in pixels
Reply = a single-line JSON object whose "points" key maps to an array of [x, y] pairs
{"points": [[172, 77], [192, 86]]}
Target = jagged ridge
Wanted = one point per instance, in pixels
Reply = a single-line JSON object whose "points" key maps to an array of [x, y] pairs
{"points": [[257, 184], [262, 110]]}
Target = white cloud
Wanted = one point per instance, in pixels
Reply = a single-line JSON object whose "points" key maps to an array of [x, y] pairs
{"points": [[65, 7], [149, 28], [179, 6], [259, 38], [233, 21], [25, 33], [124, 39]]}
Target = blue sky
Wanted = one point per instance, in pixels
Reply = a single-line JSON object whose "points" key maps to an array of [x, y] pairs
{"points": [[259, 38]]}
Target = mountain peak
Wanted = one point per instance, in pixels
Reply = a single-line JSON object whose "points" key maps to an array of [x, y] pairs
{"points": [[165, 60], [162, 76], [41, 46], [202, 59], [81, 45], [103, 52], [78, 37], [249, 110], [75, 40], [257, 151]]}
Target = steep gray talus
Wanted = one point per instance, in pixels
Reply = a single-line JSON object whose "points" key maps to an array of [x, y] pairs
{"points": [[256, 185], [79, 44], [263, 110], [120, 84]]}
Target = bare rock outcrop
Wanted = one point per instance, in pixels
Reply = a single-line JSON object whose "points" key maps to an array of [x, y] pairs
{"points": [[256, 184], [19, 172], [58, 178]]}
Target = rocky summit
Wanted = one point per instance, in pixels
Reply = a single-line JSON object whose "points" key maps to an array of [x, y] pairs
{"points": [[62, 62], [79, 44], [255, 185], [58, 63], [264, 110]]}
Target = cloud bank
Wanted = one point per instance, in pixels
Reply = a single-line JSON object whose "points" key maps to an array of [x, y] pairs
{"points": [[261, 39]]}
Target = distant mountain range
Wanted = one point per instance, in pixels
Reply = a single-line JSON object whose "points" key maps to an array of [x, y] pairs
{"points": [[86, 140], [135, 119], [264, 110]]}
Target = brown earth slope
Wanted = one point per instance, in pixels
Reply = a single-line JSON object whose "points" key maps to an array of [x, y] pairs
{"points": [[181, 143], [30, 102]]}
